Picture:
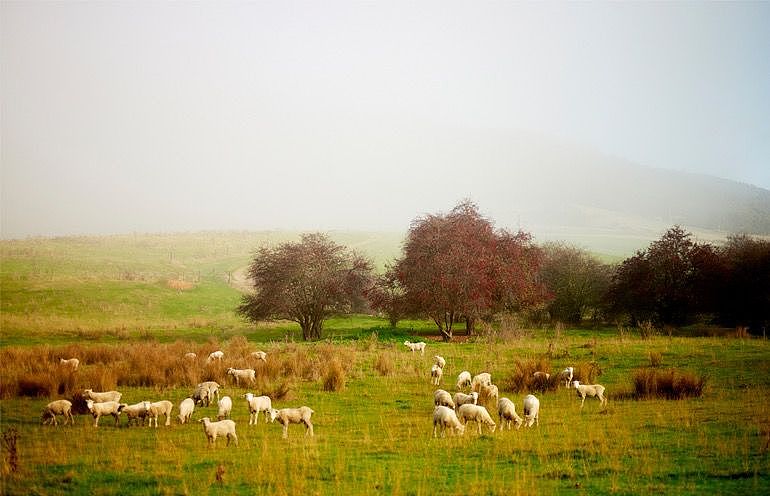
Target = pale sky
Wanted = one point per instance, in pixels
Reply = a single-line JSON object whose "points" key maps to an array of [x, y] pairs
{"points": [[172, 116]]}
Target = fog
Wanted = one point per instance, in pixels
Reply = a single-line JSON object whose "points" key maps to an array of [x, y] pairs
{"points": [[159, 116]]}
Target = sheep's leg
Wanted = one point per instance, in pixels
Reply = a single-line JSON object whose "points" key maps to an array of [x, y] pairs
{"points": [[581, 403], [309, 428], [285, 431]]}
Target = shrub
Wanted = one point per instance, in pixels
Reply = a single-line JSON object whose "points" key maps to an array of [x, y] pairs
{"points": [[655, 359], [385, 364], [334, 376], [586, 372], [523, 380], [671, 384]]}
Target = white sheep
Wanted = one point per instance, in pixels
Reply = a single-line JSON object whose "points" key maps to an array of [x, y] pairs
{"points": [[463, 379], [478, 414], [531, 410], [136, 412], [416, 346], [288, 416], [439, 361], [221, 428], [243, 374], [158, 408], [58, 407], [259, 355], [215, 355], [506, 412], [465, 399], [186, 408], [593, 390], [225, 407], [489, 394], [190, 356], [567, 375], [72, 363], [213, 390], [435, 374], [102, 397], [104, 408], [542, 375], [257, 404], [443, 398], [446, 418], [482, 379]]}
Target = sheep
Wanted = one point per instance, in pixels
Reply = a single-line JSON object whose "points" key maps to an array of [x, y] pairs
{"points": [[593, 390], [259, 355], [489, 394], [465, 399], [541, 375], [463, 379], [215, 355], [136, 412], [190, 356], [158, 408], [243, 374], [435, 374], [531, 410], [102, 397], [446, 418], [58, 407], [201, 395], [443, 398], [483, 379], [477, 413], [439, 361], [186, 408], [257, 404], [506, 411], [212, 388], [416, 346], [72, 363], [104, 408], [221, 428], [225, 407], [288, 416], [567, 375]]}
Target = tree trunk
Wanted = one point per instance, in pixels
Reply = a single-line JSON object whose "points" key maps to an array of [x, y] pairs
{"points": [[470, 325]]}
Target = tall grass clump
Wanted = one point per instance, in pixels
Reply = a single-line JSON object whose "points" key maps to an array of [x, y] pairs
{"points": [[334, 376], [385, 364], [670, 384], [523, 380]]}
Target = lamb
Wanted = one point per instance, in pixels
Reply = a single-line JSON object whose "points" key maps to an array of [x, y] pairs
{"points": [[58, 407], [158, 408], [466, 399], [477, 413], [463, 379], [489, 394], [136, 412], [225, 407], [435, 374], [259, 355], [215, 355], [257, 404], [439, 361], [243, 374], [541, 375], [72, 363], [445, 418], [531, 410], [567, 374], [212, 388], [443, 398], [506, 411], [593, 390], [201, 395], [186, 408], [102, 397], [105, 408], [190, 356], [221, 428], [482, 379], [416, 346], [288, 416]]}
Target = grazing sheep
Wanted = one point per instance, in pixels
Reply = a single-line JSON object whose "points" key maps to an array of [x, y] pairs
{"points": [[288, 416], [593, 390], [105, 408], [439, 361], [221, 428], [463, 379], [186, 408], [259, 355], [213, 390], [243, 374], [567, 375], [435, 374], [489, 394], [506, 411], [541, 375], [466, 399], [225, 407], [158, 408], [136, 412], [446, 418], [257, 404], [478, 414], [190, 356], [531, 410], [416, 346], [215, 355], [482, 379], [58, 407], [102, 397], [443, 398], [72, 363]]}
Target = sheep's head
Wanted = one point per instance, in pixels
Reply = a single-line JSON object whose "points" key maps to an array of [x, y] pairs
{"points": [[461, 429], [407, 343], [90, 405], [273, 414], [146, 406], [576, 384], [475, 397], [204, 420], [231, 371], [248, 396]]}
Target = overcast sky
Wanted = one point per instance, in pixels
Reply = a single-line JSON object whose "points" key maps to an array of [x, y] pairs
{"points": [[169, 116]]}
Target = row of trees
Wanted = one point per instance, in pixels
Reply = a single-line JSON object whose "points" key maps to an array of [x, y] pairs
{"points": [[457, 267]]}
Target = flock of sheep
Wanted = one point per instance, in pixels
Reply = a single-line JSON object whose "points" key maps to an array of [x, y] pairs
{"points": [[450, 412]]}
